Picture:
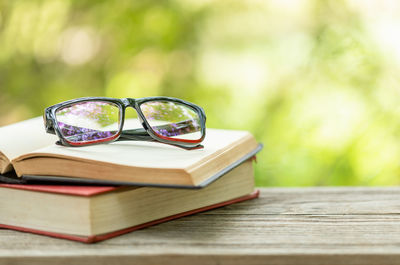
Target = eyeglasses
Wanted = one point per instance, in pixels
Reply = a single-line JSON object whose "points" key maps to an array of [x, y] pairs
{"points": [[94, 120]]}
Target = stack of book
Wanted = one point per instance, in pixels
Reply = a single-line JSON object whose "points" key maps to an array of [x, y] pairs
{"points": [[92, 193]]}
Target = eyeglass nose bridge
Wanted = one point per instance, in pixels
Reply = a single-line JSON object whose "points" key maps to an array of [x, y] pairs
{"points": [[129, 102]]}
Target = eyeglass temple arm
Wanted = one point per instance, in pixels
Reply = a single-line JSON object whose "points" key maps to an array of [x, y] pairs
{"points": [[142, 135], [135, 135], [182, 127]]}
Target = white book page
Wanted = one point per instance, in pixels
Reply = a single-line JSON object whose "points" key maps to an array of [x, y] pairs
{"points": [[148, 154], [24, 137]]}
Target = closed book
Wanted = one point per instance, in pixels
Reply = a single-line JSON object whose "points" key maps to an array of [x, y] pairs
{"points": [[94, 213]]}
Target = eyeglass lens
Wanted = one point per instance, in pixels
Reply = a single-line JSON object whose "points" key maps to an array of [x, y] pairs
{"points": [[172, 119], [88, 121]]}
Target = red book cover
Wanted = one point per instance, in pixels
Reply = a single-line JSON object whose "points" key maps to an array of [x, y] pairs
{"points": [[63, 189], [95, 190]]}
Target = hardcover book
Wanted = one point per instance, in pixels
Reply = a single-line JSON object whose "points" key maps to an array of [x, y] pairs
{"points": [[33, 154], [94, 213]]}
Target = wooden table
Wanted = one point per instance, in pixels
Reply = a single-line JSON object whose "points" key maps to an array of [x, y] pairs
{"points": [[284, 226]]}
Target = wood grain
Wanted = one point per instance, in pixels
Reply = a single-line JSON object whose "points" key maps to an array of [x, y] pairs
{"points": [[284, 226]]}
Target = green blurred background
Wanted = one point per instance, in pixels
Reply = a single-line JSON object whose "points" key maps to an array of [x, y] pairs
{"points": [[316, 81]]}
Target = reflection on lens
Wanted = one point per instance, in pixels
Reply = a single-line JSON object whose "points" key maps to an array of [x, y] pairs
{"points": [[88, 121], [172, 120]]}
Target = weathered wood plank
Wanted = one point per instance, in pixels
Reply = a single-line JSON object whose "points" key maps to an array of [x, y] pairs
{"points": [[283, 226]]}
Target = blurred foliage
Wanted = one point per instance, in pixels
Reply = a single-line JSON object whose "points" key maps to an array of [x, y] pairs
{"points": [[315, 81]]}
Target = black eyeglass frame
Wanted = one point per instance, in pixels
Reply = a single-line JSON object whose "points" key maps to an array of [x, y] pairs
{"points": [[142, 134]]}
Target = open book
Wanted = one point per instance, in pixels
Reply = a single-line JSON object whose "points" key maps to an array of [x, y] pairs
{"points": [[33, 154]]}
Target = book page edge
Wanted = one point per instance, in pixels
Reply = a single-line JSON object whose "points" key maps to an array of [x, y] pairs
{"points": [[20, 169], [5, 164]]}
